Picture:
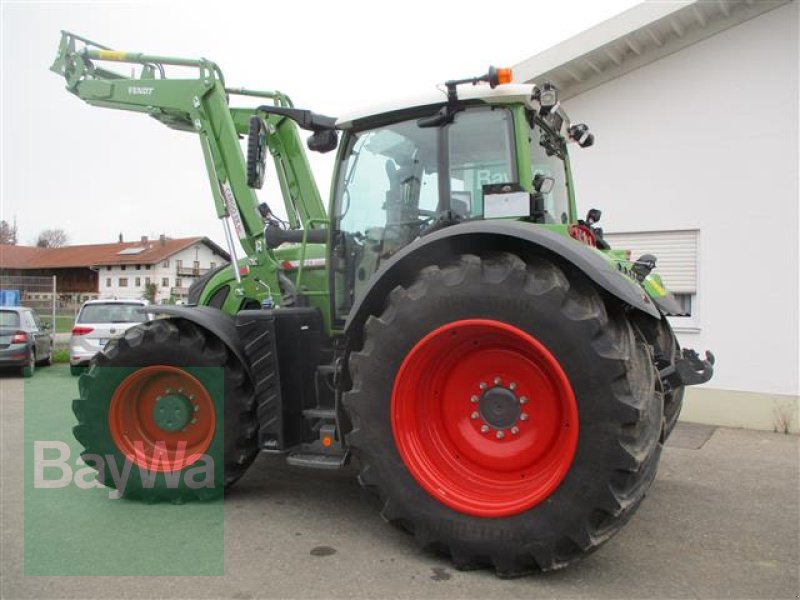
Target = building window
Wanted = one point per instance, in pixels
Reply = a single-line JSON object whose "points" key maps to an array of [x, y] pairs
{"points": [[138, 282], [196, 265], [165, 282], [123, 282], [138, 267], [108, 268], [147, 267], [122, 267], [108, 281], [147, 281], [677, 259], [178, 264], [165, 263], [178, 282]]}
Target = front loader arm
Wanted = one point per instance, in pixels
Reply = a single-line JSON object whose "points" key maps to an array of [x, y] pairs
{"points": [[200, 104]]}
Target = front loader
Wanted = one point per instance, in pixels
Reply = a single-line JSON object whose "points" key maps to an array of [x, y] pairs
{"points": [[504, 379]]}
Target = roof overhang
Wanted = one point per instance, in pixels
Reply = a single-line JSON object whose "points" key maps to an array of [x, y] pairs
{"points": [[633, 39]]}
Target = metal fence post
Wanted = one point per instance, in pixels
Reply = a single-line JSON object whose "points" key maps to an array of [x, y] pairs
{"points": [[53, 308]]}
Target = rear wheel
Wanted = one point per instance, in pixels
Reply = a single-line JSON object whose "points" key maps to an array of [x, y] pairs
{"points": [[171, 400], [30, 366], [666, 350], [504, 413]]}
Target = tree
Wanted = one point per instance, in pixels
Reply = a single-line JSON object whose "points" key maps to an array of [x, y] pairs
{"points": [[150, 290], [8, 233], [52, 238]]}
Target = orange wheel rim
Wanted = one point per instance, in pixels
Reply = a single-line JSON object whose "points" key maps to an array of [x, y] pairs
{"points": [[162, 418]]}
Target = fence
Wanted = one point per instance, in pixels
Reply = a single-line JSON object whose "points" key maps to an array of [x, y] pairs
{"points": [[41, 294]]}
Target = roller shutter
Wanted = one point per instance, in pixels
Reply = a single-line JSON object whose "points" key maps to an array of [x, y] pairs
{"points": [[676, 252]]}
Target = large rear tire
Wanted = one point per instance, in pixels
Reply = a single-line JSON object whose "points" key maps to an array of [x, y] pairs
{"points": [[155, 398], [439, 390], [666, 350]]}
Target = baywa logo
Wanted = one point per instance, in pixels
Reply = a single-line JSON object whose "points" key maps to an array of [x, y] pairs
{"points": [[54, 468]]}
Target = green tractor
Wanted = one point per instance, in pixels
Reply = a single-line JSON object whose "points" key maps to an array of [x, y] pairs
{"points": [[504, 379]]}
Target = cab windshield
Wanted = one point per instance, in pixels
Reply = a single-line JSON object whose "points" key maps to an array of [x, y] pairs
{"points": [[395, 181], [547, 159]]}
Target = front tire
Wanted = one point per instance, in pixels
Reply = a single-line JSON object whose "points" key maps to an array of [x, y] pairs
{"points": [[155, 398], [431, 394]]}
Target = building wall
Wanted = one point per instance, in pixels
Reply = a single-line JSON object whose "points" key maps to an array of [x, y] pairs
{"points": [[706, 139], [177, 279]]}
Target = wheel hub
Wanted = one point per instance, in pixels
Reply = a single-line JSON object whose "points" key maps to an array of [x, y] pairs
{"points": [[172, 412], [499, 408]]}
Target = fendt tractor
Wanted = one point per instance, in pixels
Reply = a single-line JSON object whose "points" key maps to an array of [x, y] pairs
{"points": [[504, 380]]}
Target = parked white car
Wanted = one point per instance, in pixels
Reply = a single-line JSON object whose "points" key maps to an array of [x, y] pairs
{"points": [[99, 321]]}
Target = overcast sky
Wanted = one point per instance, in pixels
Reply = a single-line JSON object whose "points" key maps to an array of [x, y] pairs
{"points": [[97, 173]]}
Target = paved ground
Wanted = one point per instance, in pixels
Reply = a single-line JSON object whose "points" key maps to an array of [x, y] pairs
{"points": [[721, 520]]}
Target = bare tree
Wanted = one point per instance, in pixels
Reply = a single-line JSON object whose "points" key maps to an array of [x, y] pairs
{"points": [[52, 238], [8, 233]]}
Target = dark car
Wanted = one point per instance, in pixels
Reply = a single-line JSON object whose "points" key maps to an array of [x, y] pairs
{"points": [[24, 340]]}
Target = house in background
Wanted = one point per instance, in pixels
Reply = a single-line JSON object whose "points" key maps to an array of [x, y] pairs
{"points": [[120, 270], [694, 105]]}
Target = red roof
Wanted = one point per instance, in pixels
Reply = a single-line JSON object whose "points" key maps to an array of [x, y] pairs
{"points": [[121, 253]]}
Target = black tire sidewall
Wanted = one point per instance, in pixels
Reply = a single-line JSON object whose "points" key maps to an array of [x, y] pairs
{"points": [[598, 455]]}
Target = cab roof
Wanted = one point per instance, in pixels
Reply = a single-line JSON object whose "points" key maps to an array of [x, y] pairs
{"points": [[502, 94]]}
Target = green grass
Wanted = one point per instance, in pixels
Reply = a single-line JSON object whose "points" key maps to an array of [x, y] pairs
{"points": [[61, 356], [75, 531], [64, 323]]}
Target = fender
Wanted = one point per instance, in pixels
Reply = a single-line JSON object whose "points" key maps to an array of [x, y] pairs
{"points": [[512, 236], [211, 319]]}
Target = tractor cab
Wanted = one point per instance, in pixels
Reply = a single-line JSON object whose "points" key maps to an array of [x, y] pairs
{"points": [[482, 153]]}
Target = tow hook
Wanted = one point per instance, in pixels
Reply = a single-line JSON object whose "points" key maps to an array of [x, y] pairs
{"points": [[689, 369]]}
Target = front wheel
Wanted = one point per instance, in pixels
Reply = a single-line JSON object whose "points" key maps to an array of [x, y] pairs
{"points": [[171, 404], [505, 414]]}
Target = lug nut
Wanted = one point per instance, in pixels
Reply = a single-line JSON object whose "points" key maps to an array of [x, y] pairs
{"points": [[483, 386], [497, 381], [514, 430], [484, 429], [512, 386], [474, 415], [523, 417], [474, 399], [500, 435], [523, 400]]}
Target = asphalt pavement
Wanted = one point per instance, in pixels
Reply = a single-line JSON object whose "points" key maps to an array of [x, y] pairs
{"points": [[720, 521]]}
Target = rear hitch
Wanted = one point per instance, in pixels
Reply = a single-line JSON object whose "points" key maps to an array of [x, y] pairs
{"points": [[689, 369]]}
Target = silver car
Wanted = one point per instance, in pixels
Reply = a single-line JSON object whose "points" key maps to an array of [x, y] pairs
{"points": [[98, 321]]}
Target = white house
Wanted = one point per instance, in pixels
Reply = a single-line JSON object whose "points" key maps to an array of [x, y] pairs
{"points": [[694, 105], [172, 268], [121, 270]]}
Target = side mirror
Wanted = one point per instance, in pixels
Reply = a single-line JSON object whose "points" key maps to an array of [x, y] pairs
{"points": [[256, 152], [593, 216], [543, 184], [323, 140]]}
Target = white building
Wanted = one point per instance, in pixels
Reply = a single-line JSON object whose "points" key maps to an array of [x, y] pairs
{"points": [[120, 270], [172, 269], [695, 110]]}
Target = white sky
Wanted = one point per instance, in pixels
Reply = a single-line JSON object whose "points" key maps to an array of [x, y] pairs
{"points": [[96, 172]]}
